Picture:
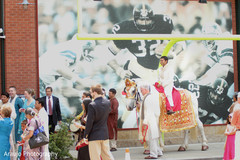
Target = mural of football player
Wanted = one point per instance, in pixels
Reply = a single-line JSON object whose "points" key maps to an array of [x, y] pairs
{"points": [[213, 101], [60, 70], [146, 53], [218, 61]]}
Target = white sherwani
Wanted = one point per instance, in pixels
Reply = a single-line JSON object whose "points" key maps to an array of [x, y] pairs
{"points": [[166, 79], [43, 116], [151, 118], [151, 115]]}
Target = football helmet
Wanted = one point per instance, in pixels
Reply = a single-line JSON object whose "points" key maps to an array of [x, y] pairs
{"points": [[143, 17], [70, 56], [211, 29], [88, 46], [218, 91], [176, 81]]}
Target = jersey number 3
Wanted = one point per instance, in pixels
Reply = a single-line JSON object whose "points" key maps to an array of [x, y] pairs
{"points": [[145, 47]]}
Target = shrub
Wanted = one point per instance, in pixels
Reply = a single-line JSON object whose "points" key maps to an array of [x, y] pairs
{"points": [[60, 143]]}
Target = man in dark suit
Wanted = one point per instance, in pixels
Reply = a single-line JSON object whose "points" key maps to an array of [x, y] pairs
{"points": [[51, 105], [96, 132]]}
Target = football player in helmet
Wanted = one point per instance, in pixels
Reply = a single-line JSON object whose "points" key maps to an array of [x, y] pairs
{"points": [[211, 29], [87, 48], [217, 93], [213, 102], [219, 101], [60, 61], [145, 52], [219, 60], [143, 17], [58, 69], [176, 81]]}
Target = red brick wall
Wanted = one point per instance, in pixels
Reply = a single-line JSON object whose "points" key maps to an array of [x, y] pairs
{"points": [[235, 61], [0, 64], [1, 26], [21, 45]]}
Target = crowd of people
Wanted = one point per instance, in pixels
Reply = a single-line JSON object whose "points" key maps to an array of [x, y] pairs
{"points": [[97, 124], [21, 119]]}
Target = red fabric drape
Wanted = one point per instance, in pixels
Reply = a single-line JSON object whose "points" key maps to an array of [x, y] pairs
{"points": [[176, 98]]}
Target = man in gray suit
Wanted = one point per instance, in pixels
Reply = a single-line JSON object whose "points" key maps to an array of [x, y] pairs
{"points": [[96, 132]]}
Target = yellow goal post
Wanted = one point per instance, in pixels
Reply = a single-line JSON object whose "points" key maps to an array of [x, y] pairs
{"points": [[173, 38]]}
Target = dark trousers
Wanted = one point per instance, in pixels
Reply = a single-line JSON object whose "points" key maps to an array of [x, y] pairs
{"points": [[83, 153], [51, 124]]}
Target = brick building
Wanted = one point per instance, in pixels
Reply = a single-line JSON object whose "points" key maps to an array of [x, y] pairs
{"points": [[19, 50]]}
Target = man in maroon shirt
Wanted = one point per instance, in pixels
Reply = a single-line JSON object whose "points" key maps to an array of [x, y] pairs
{"points": [[112, 119]]}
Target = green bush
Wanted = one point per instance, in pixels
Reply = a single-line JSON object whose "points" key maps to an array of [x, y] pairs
{"points": [[60, 143]]}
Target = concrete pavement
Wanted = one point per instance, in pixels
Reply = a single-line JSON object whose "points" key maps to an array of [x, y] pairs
{"points": [[215, 152]]}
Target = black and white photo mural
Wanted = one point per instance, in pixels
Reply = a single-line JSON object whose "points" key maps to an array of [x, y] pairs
{"points": [[71, 66]]}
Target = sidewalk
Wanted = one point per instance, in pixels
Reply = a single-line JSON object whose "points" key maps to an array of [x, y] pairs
{"points": [[215, 152]]}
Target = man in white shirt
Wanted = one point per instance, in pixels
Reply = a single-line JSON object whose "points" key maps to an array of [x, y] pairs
{"points": [[166, 79], [43, 116]]}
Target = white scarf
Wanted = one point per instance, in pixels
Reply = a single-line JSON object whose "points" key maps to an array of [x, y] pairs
{"points": [[13, 101]]}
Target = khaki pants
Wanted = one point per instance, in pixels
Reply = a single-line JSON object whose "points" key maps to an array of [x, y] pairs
{"points": [[100, 148]]}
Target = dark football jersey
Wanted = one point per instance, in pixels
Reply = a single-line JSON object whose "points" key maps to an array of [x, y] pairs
{"points": [[213, 111], [143, 50]]}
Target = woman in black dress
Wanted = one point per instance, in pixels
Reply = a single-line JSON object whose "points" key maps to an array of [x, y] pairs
{"points": [[83, 153]]}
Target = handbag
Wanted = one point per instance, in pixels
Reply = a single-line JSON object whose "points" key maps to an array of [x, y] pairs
{"points": [[39, 139], [80, 144]]}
